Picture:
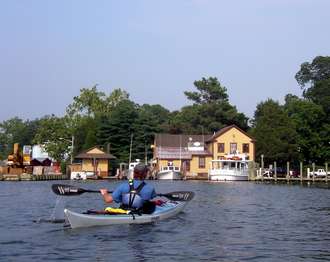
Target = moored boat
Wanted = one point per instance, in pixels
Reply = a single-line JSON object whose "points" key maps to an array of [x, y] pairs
{"points": [[130, 171], [230, 168], [164, 211], [169, 172]]}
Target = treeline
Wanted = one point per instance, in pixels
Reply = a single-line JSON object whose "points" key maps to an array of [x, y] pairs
{"points": [[297, 130]]}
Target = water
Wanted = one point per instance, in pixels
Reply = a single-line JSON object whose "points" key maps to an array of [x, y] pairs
{"points": [[240, 221]]}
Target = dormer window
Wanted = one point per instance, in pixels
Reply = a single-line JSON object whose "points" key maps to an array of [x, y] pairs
{"points": [[195, 146]]}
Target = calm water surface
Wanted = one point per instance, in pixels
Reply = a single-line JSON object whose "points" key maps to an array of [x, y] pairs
{"points": [[239, 221]]}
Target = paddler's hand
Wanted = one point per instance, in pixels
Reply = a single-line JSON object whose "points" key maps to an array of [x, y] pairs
{"points": [[103, 191], [106, 196]]}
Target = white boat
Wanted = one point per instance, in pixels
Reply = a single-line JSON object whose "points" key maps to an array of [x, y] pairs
{"points": [[81, 175], [231, 168], [169, 172], [130, 171]]}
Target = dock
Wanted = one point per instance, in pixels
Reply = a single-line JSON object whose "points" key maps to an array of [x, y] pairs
{"points": [[30, 177], [292, 179]]}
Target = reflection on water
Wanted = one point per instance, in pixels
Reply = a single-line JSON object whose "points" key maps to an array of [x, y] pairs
{"points": [[225, 222]]}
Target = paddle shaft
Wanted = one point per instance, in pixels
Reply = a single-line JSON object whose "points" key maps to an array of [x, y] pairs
{"points": [[68, 190]]}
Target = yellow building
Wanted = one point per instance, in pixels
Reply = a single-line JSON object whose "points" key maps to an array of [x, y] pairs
{"points": [[231, 140], [95, 160], [192, 154]]}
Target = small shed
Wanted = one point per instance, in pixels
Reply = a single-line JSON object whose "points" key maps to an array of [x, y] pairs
{"points": [[95, 160]]}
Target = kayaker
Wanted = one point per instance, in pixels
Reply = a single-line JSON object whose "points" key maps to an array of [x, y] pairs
{"points": [[134, 195]]}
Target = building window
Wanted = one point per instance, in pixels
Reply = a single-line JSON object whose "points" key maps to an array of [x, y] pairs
{"points": [[233, 148], [246, 148], [201, 162], [221, 147]]}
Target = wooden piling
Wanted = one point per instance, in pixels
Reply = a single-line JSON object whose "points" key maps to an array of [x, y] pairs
{"points": [[326, 172], [301, 172]]}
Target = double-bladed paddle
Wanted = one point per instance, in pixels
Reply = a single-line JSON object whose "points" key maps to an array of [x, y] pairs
{"points": [[68, 190]]}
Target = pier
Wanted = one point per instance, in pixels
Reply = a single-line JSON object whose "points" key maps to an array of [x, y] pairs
{"points": [[292, 179], [311, 175], [30, 177]]}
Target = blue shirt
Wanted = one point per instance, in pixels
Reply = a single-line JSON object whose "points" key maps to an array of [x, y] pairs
{"points": [[147, 192]]}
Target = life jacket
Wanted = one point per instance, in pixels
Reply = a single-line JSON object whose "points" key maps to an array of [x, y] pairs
{"points": [[132, 200]]}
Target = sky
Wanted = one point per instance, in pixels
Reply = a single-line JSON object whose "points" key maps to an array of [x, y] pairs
{"points": [[154, 50]]}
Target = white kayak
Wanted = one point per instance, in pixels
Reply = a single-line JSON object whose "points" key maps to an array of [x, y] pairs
{"points": [[166, 210]]}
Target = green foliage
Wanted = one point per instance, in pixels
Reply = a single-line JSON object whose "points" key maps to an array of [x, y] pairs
{"points": [[116, 96], [15, 130], [320, 95], [313, 114], [209, 90], [210, 112], [91, 102], [148, 122], [275, 133], [311, 129], [85, 134], [117, 128], [317, 75], [55, 135], [316, 71]]}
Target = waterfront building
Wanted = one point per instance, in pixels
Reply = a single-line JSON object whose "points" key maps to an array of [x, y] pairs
{"points": [[93, 160], [192, 154]]}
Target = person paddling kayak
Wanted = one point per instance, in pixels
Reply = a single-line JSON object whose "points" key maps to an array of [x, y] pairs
{"points": [[134, 195]]}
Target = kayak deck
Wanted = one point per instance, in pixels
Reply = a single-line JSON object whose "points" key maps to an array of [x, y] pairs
{"points": [[166, 210]]}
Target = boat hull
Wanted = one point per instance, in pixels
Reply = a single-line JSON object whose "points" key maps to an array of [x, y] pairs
{"points": [[169, 175], [229, 177], [78, 220]]}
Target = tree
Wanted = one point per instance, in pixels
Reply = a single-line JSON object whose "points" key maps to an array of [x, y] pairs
{"points": [[116, 129], [312, 132], [314, 79], [148, 122], [116, 96], [210, 111], [91, 102], [55, 136], [86, 113], [209, 90], [275, 133], [85, 134], [320, 95], [15, 130], [310, 73]]}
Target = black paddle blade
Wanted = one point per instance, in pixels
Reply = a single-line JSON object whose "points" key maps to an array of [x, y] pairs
{"points": [[179, 195], [66, 190]]}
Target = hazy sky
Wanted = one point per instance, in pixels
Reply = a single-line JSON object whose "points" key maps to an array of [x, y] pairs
{"points": [[154, 50]]}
